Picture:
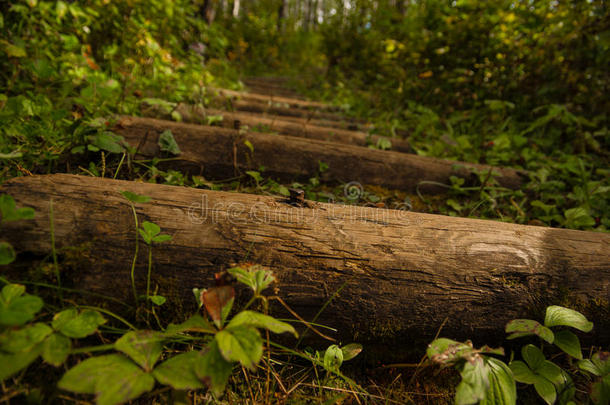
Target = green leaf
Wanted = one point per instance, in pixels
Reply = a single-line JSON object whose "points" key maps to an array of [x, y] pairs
{"points": [[502, 387], [249, 145], [24, 339], [13, 51], [167, 143], [135, 198], [114, 378], [213, 369], [75, 325], [578, 217], [55, 349], [7, 253], [179, 372], [148, 231], [600, 391], [255, 277], [545, 389], [333, 358], [474, 384], [162, 238], [598, 365], [351, 350], [143, 346], [522, 372], [157, 299], [258, 320], [17, 309], [569, 343], [107, 141], [10, 212], [533, 356], [195, 323], [447, 351], [526, 327], [383, 143], [241, 343], [11, 364], [255, 175], [561, 316]]}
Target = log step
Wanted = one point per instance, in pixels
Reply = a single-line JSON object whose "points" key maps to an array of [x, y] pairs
{"points": [[402, 273], [220, 153]]}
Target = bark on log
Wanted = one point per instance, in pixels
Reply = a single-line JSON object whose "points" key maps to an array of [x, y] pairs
{"points": [[402, 273], [292, 102], [220, 153], [293, 127], [313, 117]]}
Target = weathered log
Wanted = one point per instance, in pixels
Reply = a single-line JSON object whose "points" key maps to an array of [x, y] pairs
{"points": [[291, 102], [401, 274], [311, 116], [220, 153], [299, 127]]}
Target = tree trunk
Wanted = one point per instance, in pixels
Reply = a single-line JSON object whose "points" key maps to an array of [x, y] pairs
{"points": [[220, 153], [208, 11], [280, 15], [400, 274]]}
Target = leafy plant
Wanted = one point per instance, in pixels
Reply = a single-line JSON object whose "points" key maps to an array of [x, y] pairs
{"points": [[10, 212]]}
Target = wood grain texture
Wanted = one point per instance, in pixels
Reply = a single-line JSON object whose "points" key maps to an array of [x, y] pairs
{"points": [[402, 273], [265, 98], [220, 153], [299, 127]]}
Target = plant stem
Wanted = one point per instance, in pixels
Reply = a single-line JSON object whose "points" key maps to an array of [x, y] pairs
{"points": [[149, 271], [135, 256], [55, 265], [119, 167]]}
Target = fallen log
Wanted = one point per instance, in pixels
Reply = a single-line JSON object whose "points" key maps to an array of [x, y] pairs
{"points": [[291, 102], [220, 153], [311, 116], [299, 127], [400, 274]]}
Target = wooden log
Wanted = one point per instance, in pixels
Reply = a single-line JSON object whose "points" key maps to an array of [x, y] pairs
{"points": [[313, 117], [220, 153], [400, 274], [292, 102], [299, 127]]}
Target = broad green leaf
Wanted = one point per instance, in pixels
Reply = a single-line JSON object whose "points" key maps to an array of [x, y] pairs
{"points": [[502, 387], [551, 372], [474, 384], [13, 51], [143, 346], [241, 343], [333, 358], [446, 351], [255, 175], [24, 339], [179, 372], [196, 323], [107, 141], [10, 212], [561, 316], [135, 198], [55, 349], [522, 372], [7, 253], [213, 369], [258, 320], [545, 389], [569, 343], [11, 364], [114, 378], [162, 238], [17, 309], [600, 391], [351, 350], [75, 325], [167, 143], [10, 292], [526, 327], [157, 299], [533, 356]]}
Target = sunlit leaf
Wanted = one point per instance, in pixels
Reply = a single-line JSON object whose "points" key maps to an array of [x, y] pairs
{"points": [[143, 346]]}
